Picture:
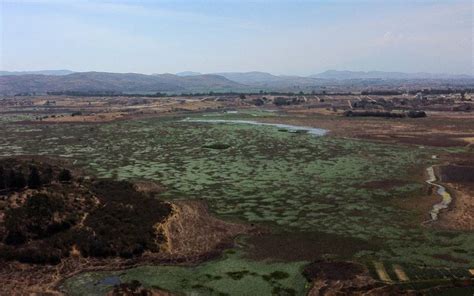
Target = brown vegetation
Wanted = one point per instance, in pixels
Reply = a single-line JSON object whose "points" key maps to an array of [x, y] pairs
{"points": [[192, 231]]}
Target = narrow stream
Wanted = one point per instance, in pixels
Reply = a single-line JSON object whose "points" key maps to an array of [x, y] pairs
{"points": [[441, 190], [291, 128]]}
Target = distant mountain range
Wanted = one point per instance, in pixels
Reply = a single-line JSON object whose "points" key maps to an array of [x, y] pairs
{"points": [[251, 77], [65, 80], [258, 78], [112, 82], [41, 72], [344, 75], [188, 73]]}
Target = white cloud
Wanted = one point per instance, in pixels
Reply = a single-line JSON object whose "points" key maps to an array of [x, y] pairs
{"points": [[390, 38]]}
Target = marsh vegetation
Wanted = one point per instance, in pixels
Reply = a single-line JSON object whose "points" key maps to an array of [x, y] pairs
{"points": [[326, 191]]}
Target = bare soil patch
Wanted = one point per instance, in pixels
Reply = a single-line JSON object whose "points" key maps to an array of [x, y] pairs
{"points": [[456, 173], [458, 177], [460, 215], [440, 129], [191, 231]]}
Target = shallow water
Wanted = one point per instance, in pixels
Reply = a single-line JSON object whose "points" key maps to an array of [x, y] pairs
{"points": [[110, 281], [441, 190], [289, 127], [229, 275]]}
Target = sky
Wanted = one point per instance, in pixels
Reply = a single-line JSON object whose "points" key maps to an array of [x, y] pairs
{"points": [[281, 37]]}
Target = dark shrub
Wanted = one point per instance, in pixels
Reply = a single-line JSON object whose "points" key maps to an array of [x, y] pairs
{"points": [[34, 180], [124, 229], [281, 101], [43, 229], [64, 176], [2, 178], [124, 225], [33, 220], [416, 114], [258, 102], [47, 175], [219, 146], [15, 180], [385, 114]]}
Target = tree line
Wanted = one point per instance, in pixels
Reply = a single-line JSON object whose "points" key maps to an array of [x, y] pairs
{"points": [[16, 179]]}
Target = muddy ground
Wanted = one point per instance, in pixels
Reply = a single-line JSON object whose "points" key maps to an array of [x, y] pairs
{"points": [[459, 179]]}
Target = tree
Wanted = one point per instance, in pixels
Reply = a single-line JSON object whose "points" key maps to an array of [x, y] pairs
{"points": [[34, 180], [20, 180], [64, 176], [416, 114], [281, 101], [242, 97], [47, 176], [259, 102], [16, 180]]}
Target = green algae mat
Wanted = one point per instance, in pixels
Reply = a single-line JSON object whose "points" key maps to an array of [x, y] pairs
{"points": [[294, 183], [230, 275]]}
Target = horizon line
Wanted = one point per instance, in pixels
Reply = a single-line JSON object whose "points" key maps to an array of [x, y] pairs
{"points": [[243, 72]]}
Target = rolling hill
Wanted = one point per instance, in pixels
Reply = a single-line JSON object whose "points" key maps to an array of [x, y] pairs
{"points": [[113, 82], [186, 82]]}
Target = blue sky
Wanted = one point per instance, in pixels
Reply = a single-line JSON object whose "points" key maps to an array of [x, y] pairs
{"points": [[282, 37]]}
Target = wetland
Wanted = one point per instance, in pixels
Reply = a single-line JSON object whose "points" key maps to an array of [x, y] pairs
{"points": [[311, 195]]}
